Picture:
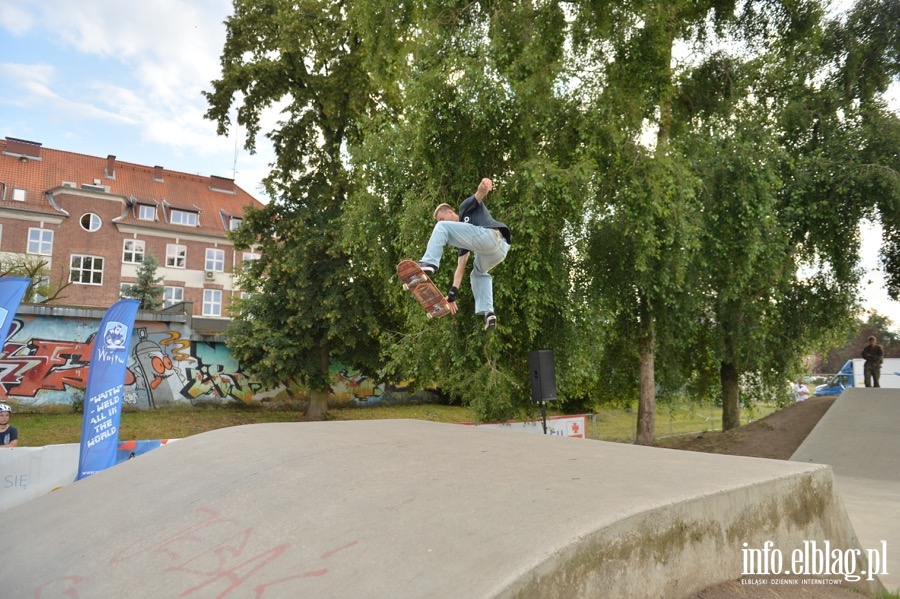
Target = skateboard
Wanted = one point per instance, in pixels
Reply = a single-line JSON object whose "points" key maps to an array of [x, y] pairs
{"points": [[423, 289]]}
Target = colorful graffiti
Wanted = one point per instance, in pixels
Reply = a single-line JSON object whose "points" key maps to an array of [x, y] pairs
{"points": [[46, 361]]}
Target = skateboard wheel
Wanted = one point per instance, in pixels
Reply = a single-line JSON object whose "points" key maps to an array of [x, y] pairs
{"points": [[405, 287], [430, 315]]}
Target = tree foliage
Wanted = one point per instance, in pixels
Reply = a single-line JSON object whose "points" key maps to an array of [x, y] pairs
{"points": [[311, 300], [148, 288], [683, 181]]}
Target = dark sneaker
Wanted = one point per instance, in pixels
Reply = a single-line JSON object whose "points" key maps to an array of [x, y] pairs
{"points": [[490, 321], [427, 268]]}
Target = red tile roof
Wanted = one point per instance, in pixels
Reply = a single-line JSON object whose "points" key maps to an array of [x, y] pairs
{"points": [[42, 170]]}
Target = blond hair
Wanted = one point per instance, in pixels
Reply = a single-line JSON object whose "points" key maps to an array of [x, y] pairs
{"points": [[440, 209]]}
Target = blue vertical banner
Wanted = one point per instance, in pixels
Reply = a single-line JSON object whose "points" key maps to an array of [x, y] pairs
{"points": [[105, 389], [11, 291]]}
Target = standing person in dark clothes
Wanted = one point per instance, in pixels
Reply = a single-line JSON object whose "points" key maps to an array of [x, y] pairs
{"points": [[873, 354]]}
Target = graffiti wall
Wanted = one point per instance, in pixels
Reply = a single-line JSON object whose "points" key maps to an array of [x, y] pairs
{"points": [[46, 361]]}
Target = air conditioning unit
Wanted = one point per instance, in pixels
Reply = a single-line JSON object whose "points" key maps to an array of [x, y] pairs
{"points": [[210, 275]]}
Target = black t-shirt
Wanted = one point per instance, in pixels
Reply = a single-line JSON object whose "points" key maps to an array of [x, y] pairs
{"points": [[476, 213], [9, 435]]}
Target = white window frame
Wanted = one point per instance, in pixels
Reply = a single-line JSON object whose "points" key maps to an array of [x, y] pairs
{"points": [[185, 218], [134, 254], [172, 295], [146, 212], [94, 222], [18, 194], [176, 255], [91, 265], [212, 302], [43, 245], [215, 260], [234, 223]]}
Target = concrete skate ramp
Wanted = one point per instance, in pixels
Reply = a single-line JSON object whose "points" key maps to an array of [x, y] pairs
{"points": [[409, 508], [859, 437]]}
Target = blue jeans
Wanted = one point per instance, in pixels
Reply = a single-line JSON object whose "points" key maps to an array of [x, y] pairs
{"points": [[489, 247]]}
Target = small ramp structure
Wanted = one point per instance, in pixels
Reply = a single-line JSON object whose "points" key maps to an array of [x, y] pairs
{"points": [[859, 437], [407, 508]]}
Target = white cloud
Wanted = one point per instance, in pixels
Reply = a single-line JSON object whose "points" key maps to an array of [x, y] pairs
{"points": [[15, 18]]}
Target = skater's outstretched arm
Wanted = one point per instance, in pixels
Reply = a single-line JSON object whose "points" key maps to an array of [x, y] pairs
{"points": [[484, 188], [457, 278]]}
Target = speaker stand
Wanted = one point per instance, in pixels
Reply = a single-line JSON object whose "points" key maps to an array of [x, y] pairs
{"points": [[544, 414]]}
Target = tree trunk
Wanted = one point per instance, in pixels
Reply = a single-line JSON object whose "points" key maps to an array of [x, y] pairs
{"points": [[318, 395], [318, 405], [731, 396], [646, 422]]}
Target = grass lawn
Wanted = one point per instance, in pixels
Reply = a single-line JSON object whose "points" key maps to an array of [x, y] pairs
{"points": [[56, 426]]}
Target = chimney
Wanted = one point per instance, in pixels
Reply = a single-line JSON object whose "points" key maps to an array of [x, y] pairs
{"points": [[221, 184], [23, 148], [158, 174], [110, 172]]}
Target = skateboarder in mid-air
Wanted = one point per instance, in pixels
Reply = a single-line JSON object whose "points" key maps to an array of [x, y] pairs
{"points": [[472, 230]]}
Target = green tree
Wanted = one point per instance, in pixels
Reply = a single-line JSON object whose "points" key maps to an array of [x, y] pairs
{"points": [[644, 222], [311, 300], [148, 288], [479, 97], [710, 250]]}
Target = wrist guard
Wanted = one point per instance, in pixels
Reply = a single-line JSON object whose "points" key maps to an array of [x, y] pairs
{"points": [[451, 295]]}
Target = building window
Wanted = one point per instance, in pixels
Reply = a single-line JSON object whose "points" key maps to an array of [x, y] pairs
{"points": [[40, 242], [215, 260], [18, 194], [90, 222], [234, 223], [212, 302], [134, 251], [172, 296], [176, 255], [183, 217], [87, 270], [146, 212], [248, 257]]}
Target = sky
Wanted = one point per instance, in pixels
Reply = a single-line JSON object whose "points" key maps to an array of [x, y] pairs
{"points": [[102, 77]]}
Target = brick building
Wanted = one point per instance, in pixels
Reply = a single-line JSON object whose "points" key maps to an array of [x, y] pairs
{"points": [[94, 219]]}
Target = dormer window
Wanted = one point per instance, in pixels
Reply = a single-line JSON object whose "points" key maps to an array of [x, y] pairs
{"points": [[18, 194], [146, 212], [183, 217], [234, 223]]}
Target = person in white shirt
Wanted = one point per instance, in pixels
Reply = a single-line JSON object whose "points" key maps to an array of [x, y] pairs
{"points": [[801, 391]]}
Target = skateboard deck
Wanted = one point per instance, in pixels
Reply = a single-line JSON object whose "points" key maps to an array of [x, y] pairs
{"points": [[423, 289]]}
